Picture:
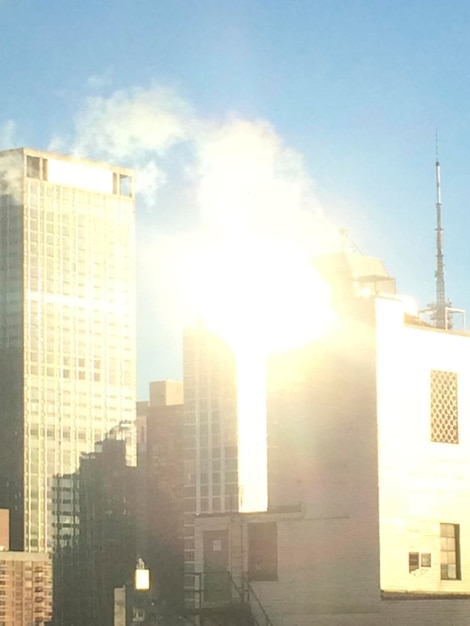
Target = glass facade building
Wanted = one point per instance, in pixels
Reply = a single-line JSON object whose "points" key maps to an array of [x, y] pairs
{"points": [[67, 325]]}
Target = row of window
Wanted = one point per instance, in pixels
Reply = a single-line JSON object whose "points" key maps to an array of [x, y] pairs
{"points": [[65, 433], [38, 168], [213, 505], [59, 197], [449, 554], [91, 218], [263, 550]]}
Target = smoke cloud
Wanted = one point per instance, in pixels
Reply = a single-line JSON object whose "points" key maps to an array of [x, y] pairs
{"points": [[8, 135], [10, 163], [204, 187]]}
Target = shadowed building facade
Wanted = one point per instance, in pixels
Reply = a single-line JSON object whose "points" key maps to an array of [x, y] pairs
{"points": [[101, 552], [161, 472]]}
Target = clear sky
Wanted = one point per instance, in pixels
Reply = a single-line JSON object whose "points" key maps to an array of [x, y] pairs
{"points": [[338, 99]]}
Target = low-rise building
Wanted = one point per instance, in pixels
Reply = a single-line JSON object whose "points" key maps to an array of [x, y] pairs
{"points": [[25, 584]]}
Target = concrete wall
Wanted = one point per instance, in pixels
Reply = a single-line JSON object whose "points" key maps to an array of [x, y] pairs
{"points": [[349, 439], [422, 483], [322, 452]]}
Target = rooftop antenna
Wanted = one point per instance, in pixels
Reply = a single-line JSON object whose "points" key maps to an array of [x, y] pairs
{"points": [[441, 313], [441, 304]]}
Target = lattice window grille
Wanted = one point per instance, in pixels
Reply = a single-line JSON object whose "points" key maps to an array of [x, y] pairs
{"points": [[444, 407]]}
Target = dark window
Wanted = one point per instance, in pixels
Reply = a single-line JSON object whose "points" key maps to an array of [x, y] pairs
{"points": [[262, 551], [122, 184], [413, 561], [33, 167], [444, 407], [450, 552], [125, 185], [426, 559]]}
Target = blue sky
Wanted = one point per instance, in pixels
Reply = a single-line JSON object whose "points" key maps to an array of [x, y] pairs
{"points": [[355, 89]]}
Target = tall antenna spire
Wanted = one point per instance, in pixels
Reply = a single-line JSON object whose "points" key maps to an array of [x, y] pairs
{"points": [[441, 305]]}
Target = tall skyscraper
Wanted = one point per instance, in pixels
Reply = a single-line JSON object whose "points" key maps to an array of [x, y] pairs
{"points": [[67, 330], [210, 436]]}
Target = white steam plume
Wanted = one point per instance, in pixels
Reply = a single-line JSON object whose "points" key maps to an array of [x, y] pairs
{"points": [[131, 123], [8, 135], [10, 162], [249, 182], [231, 184]]}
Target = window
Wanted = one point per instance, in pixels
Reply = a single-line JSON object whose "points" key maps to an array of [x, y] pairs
{"points": [[122, 184], [32, 166], [417, 560], [413, 561], [444, 407], [125, 185], [450, 552], [262, 551]]}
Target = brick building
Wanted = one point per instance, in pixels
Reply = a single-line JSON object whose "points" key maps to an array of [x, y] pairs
{"points": [[161, 471], [25, 583]]}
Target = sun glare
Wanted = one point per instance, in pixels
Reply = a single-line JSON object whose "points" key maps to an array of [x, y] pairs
{"points": [[262, 298]]}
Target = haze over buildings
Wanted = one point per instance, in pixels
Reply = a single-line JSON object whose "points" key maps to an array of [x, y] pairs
{"points": [[257, 129]]}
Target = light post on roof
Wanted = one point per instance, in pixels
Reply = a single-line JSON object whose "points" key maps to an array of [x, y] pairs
{"points": [[132, 601], [139, 597], [141, 576]]}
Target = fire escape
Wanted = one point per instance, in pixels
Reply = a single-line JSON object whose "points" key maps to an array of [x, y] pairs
{"points": [[220, 600]]}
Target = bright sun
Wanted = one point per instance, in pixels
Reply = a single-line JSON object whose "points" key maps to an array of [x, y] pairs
{"points": [[259, 296], [262, 298]]}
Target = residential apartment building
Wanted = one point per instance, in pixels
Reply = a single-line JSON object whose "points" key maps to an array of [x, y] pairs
{"points": [[25, 583], [67, 328]]}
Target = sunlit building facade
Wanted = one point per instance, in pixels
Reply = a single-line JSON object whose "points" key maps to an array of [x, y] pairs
{"points": [[67, 329], [26, 585], [368, 475], [210, 433]]}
